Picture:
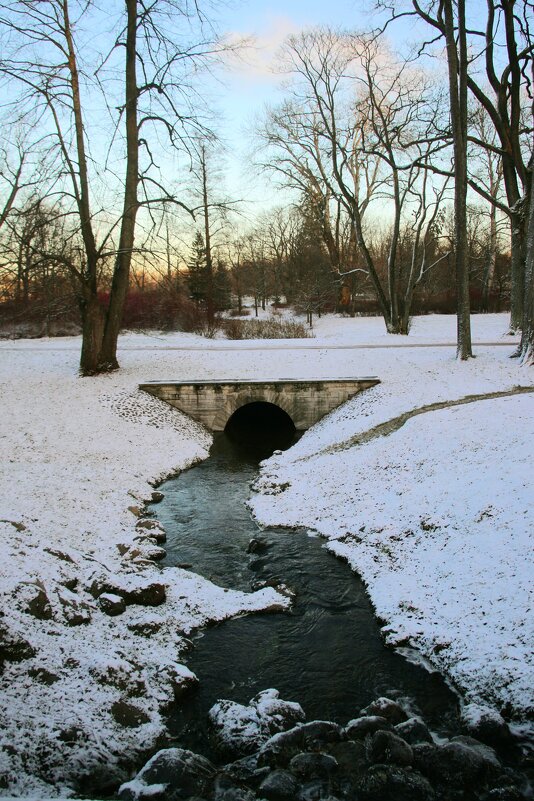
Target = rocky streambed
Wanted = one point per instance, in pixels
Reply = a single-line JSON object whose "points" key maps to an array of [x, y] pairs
{"points": [[269, 752], [327, 654]]}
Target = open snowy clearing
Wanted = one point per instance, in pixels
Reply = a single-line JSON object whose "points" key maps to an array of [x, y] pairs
{"points": [[435, 516]]}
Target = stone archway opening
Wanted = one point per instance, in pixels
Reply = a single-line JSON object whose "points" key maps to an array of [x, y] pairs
{"points": [[261, 428]]}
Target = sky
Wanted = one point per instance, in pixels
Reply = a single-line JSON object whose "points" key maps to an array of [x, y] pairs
{"points": [[236, 94], [249, 84], [242, 91]]}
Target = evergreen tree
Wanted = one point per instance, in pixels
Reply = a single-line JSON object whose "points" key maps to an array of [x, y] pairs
{"points": [[197, 279], [222, 288]]}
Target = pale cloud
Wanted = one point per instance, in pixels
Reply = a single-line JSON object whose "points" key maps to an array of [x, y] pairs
{"points": [[259, 61]]}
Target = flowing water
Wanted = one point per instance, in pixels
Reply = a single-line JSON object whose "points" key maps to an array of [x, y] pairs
{"points": [[327, 653]]}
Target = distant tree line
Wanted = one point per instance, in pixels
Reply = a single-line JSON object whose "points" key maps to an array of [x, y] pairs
{"points": [[282, 261], [411, 174]]}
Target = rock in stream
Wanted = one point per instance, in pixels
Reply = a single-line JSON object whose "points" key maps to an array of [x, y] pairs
{"points": [[381, 755]]}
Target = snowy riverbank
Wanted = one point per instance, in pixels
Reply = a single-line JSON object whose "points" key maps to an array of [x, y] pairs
{"points": [[435, 517]]}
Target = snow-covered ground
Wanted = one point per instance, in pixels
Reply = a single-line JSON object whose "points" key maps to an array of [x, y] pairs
{"points": [[435, 516]]}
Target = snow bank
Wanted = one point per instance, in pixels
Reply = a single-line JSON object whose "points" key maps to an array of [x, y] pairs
{"points": [[83, 690], [436, 516]]}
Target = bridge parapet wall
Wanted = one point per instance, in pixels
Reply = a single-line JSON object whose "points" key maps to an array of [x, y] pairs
{"points": [[212, 403]]}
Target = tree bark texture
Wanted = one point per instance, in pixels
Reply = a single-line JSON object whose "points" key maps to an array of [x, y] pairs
{"points": [[93, 319], [526, 347], [121, 272], [517, 239], [457, 67]]}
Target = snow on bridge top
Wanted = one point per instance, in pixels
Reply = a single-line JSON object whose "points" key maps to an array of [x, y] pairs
{"points": [[258, 381]]}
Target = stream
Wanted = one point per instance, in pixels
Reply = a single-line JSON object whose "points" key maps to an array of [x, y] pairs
{"points": [[327, 653]]}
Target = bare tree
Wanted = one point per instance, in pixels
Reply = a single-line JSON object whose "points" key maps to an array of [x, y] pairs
{"points": [[279, 227], [454, 27], [508, 21], [359, 132], [526, 347], [210, 302], [212, 205], [257, 268], [488, 175], [501, 90], [44, 55], [21, 170], [295, 154], [35, 283], [10, 181], [235, 256], [527, 337]]}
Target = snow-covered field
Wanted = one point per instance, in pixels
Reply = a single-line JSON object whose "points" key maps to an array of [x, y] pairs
{"points": [[435, 516]]}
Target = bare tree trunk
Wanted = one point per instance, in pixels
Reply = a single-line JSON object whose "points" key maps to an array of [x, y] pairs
{"points": [[526, 348], [236, 272], [210, 300], [375, 280], [505, 113], [457, 67], [43, 56], [91, 312], [392, 254], [517, 224], [93, 319], [489, 271], [121, 273], [407, 300], [22, 289], [168, 254], [330, 239]]}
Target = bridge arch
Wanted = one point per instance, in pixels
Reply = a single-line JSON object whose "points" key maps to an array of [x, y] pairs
{"points": [[260, 427], [260, 413], [240, 400]]}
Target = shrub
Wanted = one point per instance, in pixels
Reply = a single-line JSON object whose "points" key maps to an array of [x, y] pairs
{"points": [[237, 313], [233, 329], [41, 316], [264, 329]]}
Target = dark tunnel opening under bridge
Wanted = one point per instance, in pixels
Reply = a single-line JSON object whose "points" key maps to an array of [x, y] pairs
{"points": [[261, 428]]}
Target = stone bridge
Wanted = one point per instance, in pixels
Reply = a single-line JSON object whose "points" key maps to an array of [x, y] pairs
{"points": [[213, 403]]}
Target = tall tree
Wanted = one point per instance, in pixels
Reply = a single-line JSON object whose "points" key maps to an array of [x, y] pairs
{"points": [[358, 133], [196, 268], [456, 45], [44, 52], [235, 251], [526, 347], [501, 90], [211, 204], [489, 177], [208, 256], [508, 28]]}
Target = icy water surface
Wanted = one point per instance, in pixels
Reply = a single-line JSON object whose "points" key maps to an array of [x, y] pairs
{"points": [[327, 653]]}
